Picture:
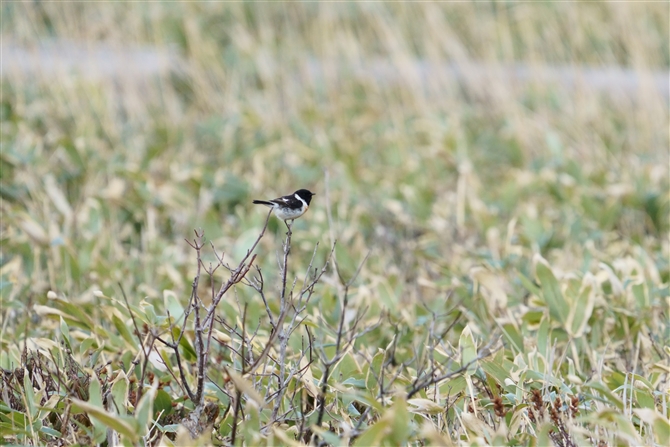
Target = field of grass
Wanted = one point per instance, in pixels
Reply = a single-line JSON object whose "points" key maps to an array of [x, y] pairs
{"points": [[485, 261]]}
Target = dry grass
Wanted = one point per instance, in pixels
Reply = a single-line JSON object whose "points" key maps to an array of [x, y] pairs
{"points": [[426, 148]]}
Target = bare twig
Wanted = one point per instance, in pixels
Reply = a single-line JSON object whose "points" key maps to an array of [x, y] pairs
{"points": [[139, 337], [328, 363], [236, 413], [431, 377], [283, 334], [203, 324]]}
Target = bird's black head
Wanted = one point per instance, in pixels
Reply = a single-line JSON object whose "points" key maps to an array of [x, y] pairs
{"points": [[305, 195]]}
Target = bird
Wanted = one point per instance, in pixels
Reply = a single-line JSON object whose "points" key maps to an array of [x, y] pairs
{"points": [[289, 207]]}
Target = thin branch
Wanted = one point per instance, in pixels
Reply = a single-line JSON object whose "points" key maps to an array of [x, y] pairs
{"points": [[430, 378], [283, 336], [236, 413], [139, 337]]}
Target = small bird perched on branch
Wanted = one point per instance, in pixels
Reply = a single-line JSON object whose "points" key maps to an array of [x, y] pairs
{"points": [[289, 207]]}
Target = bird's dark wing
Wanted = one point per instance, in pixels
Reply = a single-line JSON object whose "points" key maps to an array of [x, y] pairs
{"points": [[288, 202]]}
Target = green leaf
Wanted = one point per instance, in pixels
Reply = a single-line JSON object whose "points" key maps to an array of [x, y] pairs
{"points": [[543, 439], [30, 395], [149, 313], [328, 436], [13, 429], [374, 434], [534, 230], [582, 308], [551, 292], [77, 314], [497, 371], [51, 432], [86, 344], [374, 371], [162, 403], [123, 330], [660, 424], [645, 399], [347, 366], [615, 421], [358, 383], [641, 295], [425, 406], [466, 345], [171, 428], [188, 350], [120, 392], [453, 386], [95, 399], [173, 305], [144, 410], [73, 154], [124, 425], [544, 337], [400, 418], [365, 398], [65, 332], [226, 425], [528, 285], [602, 389], [252, 426], [95, 392], [513, 336]]}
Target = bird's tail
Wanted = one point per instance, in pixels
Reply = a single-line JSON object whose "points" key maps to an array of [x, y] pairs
{"points": [[263, 202]]}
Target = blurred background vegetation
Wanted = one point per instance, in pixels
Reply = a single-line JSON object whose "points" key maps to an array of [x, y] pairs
{"points": [[450, 141]]}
